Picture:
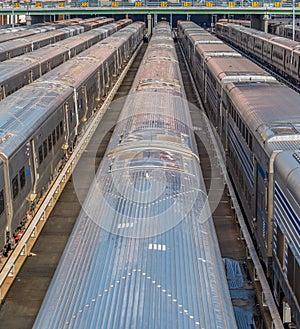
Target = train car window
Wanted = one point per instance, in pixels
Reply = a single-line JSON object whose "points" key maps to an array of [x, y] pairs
{"points": [[250, 142], [49, 143], [280, 246], [1, 202], [45, 148], [22, 177], [53, 137], [57, 132], [61, 127], [243, 129], [71, 112], [40, 154], [291, 268], [297, 281], [15, 186]]}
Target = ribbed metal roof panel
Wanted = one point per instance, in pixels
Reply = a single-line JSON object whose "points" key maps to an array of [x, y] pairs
{"points": [[144, 252], [25, 110]]}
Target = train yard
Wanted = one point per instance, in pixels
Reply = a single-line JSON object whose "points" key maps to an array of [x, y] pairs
{"points": [[240, 241]]}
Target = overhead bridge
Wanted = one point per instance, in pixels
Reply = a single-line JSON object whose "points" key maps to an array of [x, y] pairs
{"points": [[149, 7]]}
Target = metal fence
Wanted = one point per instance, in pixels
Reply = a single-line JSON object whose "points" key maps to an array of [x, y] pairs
{"points": [[151, 3]]}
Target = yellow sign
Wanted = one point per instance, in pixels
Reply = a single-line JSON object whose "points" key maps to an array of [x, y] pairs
{"points": [[209, 3], [61, 4], [231, 4], [186, 4], [38, 5], [16, 5], [115, 4], [254, 4], [164, 4], [138, 4], [298, 4], [277, 4], [84, 4]]}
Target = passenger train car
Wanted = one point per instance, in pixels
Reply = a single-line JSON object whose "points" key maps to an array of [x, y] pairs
{"points": [[21, 46], [40, 123], [144, 252], [22, 31], [286, 31], [256, 118], [286, 244], [278, 53], [24, 69]]}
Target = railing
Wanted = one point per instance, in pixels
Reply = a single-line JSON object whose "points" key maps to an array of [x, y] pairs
{"points": [[151, 3]]}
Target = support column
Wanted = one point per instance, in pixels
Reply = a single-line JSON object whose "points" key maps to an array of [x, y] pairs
{"points": [[28, 20], [155, 19], [266, 23], [258, 22], [171, 21], [149, 18]]}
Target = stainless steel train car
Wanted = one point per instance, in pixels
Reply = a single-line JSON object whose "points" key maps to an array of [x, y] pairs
{"points": [[40, 123], [144, 252], [18, 47], [286, 31], [18, 32], [256, 118], [280, 54], [22, 32], [244, 22], [286, 245], [24, 69]]}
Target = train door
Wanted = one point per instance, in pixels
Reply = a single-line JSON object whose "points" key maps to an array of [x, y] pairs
{"points": [[30, 77], [30, 151], [2, 92]]}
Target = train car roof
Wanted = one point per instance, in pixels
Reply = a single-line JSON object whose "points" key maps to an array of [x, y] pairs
{"points": [[144, 252], [288, 43], [208, 50], [234, 66], [41, 55], [26, 110], [16, 43], [271, 110]]}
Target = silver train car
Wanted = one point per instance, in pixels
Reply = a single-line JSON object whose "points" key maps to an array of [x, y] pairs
{"points": [[22, 32], [256, 118], [17, 47], [286, 244], [40, 123], [279, 53], [144, 252], [286, 31], [24, 69]]}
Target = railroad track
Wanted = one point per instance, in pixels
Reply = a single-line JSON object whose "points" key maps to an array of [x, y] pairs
{"points": [[27, 291]]}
